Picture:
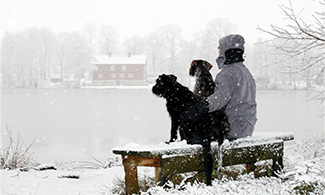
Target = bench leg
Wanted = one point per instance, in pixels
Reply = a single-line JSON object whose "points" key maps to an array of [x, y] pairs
{"points": [[277, 165], [251, 167], [219, 161], [157, 174], [158, 177], [131, 175]]}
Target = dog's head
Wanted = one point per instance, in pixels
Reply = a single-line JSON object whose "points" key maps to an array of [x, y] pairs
{"points": [[163, 85], [197, 64]]}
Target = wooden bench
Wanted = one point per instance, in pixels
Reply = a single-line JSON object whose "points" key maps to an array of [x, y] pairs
{"points": [[181, 158]]}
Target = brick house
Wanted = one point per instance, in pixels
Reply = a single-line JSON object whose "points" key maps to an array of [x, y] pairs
{"points": [[119, 70]]}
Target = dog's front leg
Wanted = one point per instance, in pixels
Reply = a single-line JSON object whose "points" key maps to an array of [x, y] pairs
{"points": [[174, 128]]}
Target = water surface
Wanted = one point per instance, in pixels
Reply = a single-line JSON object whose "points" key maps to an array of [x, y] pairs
{"points": [[69, 124]]}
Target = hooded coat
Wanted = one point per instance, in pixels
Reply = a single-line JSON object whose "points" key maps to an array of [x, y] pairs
{"points": [[235, 90]]}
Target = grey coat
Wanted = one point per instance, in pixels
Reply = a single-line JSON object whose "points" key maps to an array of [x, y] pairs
{"points": [[235, 89]]}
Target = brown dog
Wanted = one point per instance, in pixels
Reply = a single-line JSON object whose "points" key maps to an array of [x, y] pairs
{"points": [[204, 86]]}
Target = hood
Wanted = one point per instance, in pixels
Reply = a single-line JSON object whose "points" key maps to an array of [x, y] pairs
{"points": [[233, 41]]}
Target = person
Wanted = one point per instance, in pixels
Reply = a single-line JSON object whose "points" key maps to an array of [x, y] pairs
{"points": [[235, 90]]}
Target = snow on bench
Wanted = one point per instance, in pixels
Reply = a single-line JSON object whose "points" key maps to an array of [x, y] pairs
{"points": [[179, 157]]}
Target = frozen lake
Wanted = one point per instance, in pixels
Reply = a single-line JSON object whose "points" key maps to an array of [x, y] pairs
{"points": [[69, 123]]}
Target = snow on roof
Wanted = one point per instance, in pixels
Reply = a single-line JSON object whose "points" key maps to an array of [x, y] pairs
{"points": [[120, 60]]}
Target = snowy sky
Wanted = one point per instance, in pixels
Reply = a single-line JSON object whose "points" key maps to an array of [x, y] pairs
{"points": [[141, 17]]}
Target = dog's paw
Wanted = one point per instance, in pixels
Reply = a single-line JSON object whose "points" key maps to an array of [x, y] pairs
{"points": [[170, 141]]}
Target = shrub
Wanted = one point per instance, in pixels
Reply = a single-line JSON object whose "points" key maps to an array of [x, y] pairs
{"points": [[15, 154], [305, 187]]}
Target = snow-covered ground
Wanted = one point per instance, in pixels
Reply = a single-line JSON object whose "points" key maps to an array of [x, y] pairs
{"points": [[303, 160], [56, 182]]}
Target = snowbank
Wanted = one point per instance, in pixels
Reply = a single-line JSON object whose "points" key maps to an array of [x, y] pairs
{"points": [[304, 170]]}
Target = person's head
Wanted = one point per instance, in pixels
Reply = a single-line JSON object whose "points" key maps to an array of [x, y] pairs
{"points": [[231, 50]]}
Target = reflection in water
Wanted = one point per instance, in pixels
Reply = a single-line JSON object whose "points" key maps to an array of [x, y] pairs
{"points": [[69, 123]]}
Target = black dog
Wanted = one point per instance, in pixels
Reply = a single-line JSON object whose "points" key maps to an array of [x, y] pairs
{"points": [[204, 87], [179, 99]]}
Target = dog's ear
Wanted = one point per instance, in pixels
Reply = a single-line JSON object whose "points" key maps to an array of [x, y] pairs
{"points": [[193, 68], [173, 77], [160, 77], [208, 65]]}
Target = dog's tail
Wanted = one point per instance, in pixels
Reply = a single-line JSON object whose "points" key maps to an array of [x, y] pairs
{"points": [[208, 161]]}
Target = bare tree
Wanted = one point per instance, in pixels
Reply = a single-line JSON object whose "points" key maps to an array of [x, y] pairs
{"points": [[154, 50], [11, 53], [74, 56], [109, 39], [210, 36], [302, 43], [219, 27], [172, 38], [134, 45], [89, 32], [28, 56]]}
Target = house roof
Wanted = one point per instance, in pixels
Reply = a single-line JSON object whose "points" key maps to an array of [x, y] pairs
{"points": [[120, 60]]}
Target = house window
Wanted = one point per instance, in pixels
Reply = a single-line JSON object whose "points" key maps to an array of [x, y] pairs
{"points": [[112, 68], [100, 76], [113, 75], [124, 68], [130, 75], [121, 75]]}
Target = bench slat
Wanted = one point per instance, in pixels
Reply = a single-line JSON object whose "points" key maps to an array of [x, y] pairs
{"points": [[180, 157], [152, 151], [173, 164]]}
